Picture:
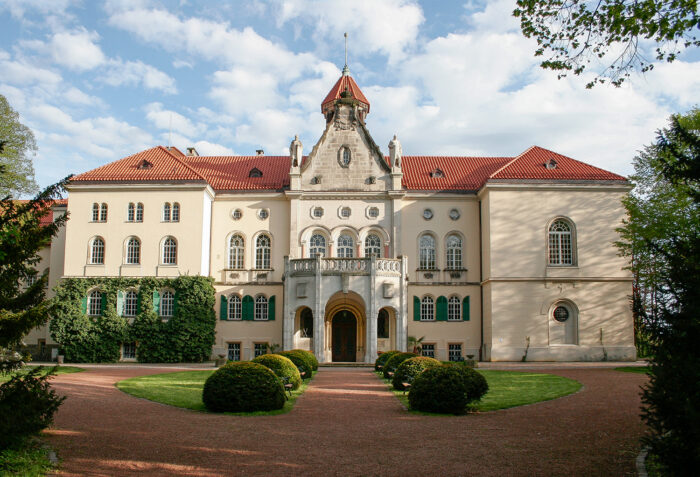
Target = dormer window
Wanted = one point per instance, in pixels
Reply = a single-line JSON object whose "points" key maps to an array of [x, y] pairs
{"points": [[437, 173], [144, 164], [255, 172], [551, 163]]}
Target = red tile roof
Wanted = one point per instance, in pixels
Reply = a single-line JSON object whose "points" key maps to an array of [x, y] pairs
{"points": [[344, 82], [458, 173], [231, 173], [48, 218], [157, 164]]}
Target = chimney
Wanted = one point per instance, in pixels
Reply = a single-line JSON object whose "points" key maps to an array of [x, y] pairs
{"points": [[192, 152], [259, 152]]}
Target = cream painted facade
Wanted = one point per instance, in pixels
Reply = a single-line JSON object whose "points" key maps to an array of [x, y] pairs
{"points": [[349, 303]]}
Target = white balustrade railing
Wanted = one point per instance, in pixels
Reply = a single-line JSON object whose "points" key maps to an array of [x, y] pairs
{"points": [[361, 266]]}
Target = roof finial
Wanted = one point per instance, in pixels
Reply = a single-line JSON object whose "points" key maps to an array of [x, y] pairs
{"points": [[346, 70]]}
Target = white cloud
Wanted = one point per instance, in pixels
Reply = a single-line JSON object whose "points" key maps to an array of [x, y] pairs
{"points": [[167, 120], [19, 8], [135, 73], [24, 74], [76, 50], [206, 148], [75, 96]]}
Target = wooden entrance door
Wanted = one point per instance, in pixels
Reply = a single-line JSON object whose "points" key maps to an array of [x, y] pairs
{"points": [[344, 336]]}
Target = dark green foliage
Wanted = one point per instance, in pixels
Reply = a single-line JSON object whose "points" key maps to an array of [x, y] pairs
{"points": [[383, 358], [17, 145], [187, 336], [243, 386], [283, 367], [409, 369], [301, 360], [312, 356], [439, 389], [27, 405], [394, 361], [476, 383]]}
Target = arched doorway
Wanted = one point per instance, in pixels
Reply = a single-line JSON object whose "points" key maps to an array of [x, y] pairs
{"points": [[344, 332]]}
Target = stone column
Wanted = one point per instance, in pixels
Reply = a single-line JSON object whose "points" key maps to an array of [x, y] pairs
{"points": [[319, 312], [371, 311], [402, 317], [288, 313]]}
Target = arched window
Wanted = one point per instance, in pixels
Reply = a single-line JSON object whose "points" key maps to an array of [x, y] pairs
{"points": [[103, 213], [139, 212], [260, 307], [560, 243], [344, 156], [234, 307], [130, 303], [427, 252], [95, 212], [454, 309], [383, 324], [373, 246], [166, 212], [131, 212], [169, 251], [346, 246], [262, 252], [427, 309], [175, 217], [307, 323], [236, 250], [167, 304], [94, 303], [454, 252], [133, 251], [97, 251], [317, 245]]}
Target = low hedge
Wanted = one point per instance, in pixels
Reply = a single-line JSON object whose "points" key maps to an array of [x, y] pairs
{"points": [[446, 389], [301, 360], [282, 367], [311, 355], [394, 362], [383, 358], [410, 369], [243, 386], [476, 383]]}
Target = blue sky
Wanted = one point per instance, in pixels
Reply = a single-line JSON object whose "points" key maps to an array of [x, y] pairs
{"points": [[97, 81]]}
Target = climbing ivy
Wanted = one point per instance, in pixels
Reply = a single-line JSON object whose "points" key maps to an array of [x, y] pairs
{"points": [[186, 336]]}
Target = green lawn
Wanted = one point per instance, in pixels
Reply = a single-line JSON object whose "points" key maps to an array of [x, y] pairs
{"points": [[634, 369], [512, 388], [28, 461], [60, 370], [184, 389]]}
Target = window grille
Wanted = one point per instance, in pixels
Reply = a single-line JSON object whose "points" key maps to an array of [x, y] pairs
{"points": [[454, 309], [261, 308], [167, 304], [175, 216], [234, 307], [262, 252], [95, 212], [259, 349], [103, 213], [94, 304], [129, 350], [169, 251], [318, 212], [455, 352], [139, 212], [428, 350], [236, 250], [345, 246], [237, 214], [317, 245], [97, 251], [131, 212], [427, 309], [166, 212], [454, 252], [560, 243], [234, 351], [345, 212], [130, 303], [373, 246], [133, 251], [373, 212], [427, 253]]}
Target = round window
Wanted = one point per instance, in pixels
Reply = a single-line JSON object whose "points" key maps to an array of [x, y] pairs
{"points": [[454, 214], [427, 214], [263, 214], [237, 214], [561, 314]]}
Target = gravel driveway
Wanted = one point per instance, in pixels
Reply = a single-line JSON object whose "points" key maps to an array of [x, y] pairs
{"points": [[348, 423]]}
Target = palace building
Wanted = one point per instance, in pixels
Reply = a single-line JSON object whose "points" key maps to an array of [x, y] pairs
{"points": [[347, 251]]}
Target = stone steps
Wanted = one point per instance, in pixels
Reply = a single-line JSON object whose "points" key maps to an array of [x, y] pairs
{"points": [[346, 365]]}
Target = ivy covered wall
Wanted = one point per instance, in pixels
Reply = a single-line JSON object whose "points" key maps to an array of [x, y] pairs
{"points": [[186, 336]]}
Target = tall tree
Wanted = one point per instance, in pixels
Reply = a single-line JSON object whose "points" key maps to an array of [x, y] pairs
{"points": [[663, 237], [17, 145], [574, 32]]}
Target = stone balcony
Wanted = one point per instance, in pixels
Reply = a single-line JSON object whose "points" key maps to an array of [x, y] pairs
{"points": [[341, 266]]}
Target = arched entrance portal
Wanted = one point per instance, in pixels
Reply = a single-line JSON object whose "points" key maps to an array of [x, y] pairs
{"points": [[344, 332]]}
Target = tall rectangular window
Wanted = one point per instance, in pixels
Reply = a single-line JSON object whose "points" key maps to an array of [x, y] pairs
{"points": [[259, 349], [454, 309], [234, 351], [428, 350], [130, 303], [129, 350], [455, 352]]}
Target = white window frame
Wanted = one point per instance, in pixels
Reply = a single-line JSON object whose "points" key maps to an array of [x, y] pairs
{"points": [[95, 212], [131, 212], [130, 303], [263, 245], [427, 308], [373, 246], [97, 251], [139, 212], [259, 349], [167, 304], [169, 252], [317, 245], [236, 252], [234, 351], [235, 308], [94, 303], [561, 243], [346, 246], [166, 212], [427, 252], [454, 352], [129, 350], [103, 212], [454, 252], [262, 304], [175, 212], [428, 350], [454, 309], [133, 251]]}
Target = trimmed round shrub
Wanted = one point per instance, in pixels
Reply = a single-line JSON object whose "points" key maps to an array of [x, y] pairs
{"points": [[383, 358], [410, 369], [301, 361], [476, 383], [242, 386], [282, 367], [311, 355], [394, 362]]}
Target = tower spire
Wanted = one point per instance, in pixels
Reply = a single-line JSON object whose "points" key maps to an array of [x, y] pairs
{"points": [[346, 70]]}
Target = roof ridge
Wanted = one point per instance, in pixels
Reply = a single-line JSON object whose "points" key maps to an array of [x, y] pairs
{"points": [[512, 161], [184, 164]]}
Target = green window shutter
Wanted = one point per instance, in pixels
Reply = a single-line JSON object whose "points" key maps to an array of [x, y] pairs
{"points": [[416, 308], [156, 301], [175, 300], [138, 302], [223, 311], [83, 305], [103, 304], [465, 309], [441, 309], [248, 308], [120, 303], [271, 308]]}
